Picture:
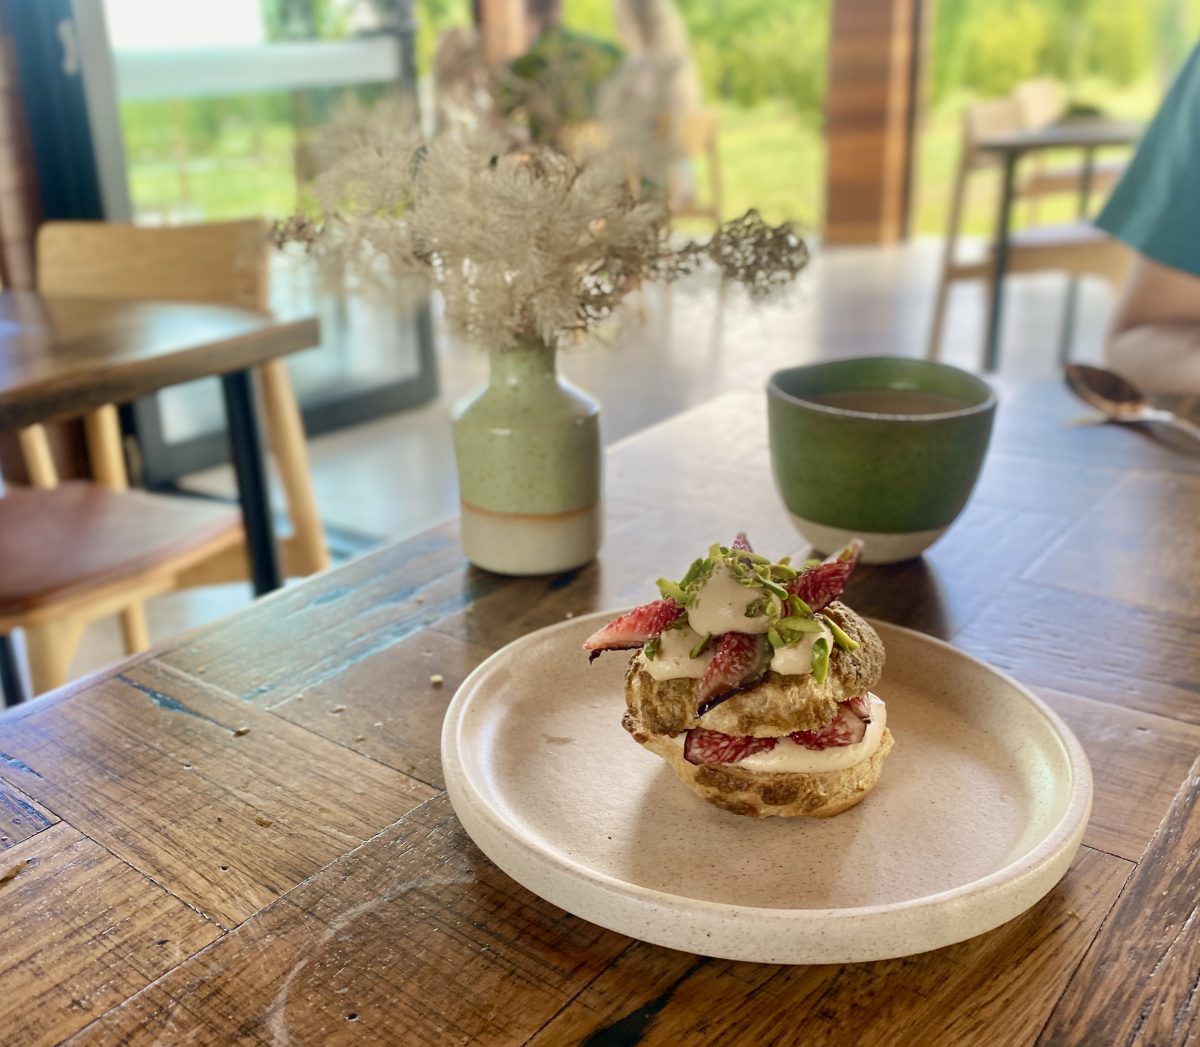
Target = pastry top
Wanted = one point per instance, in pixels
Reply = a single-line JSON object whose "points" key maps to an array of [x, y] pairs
{"points": [[776, 704]]}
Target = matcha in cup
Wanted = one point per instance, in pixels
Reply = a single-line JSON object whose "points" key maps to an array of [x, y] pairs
{"points": [[886, 449]]}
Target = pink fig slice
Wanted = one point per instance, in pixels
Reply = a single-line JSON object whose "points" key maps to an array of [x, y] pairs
{"points": [[633, 629], [701, 746], [819, 586], [738, 660], [844, 729]]}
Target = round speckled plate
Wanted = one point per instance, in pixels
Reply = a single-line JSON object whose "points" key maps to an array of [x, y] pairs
{"points": [[981, 807]]}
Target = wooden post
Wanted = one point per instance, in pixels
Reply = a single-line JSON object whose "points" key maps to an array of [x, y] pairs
{"points": [[871, 104], [503, 29]]}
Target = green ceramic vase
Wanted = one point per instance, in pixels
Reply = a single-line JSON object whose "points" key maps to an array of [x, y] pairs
{"points": [[528, 454]]}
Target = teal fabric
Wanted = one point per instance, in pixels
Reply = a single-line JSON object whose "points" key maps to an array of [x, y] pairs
{"points": [[1155, 208]]}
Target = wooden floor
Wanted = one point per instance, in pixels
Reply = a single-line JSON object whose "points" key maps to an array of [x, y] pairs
{"points": [[394, 477]]}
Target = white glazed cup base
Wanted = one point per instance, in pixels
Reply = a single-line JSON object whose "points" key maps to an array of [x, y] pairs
{"points": [[877, 548], [530, 544]]}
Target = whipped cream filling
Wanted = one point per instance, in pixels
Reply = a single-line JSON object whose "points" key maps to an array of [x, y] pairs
{"points": [[789, 758], [720, 606], [796, 660], [674, 660]]}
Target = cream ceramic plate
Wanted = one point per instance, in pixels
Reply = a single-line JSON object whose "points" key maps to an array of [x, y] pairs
{"points": [[981, 807]]}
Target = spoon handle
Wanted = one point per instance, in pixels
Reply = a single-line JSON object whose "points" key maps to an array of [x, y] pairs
{"points": [[1175, 422], [1183, 425]]}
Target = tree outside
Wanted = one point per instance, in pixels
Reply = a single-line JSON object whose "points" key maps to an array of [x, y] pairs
{"points": [[762, 64]]}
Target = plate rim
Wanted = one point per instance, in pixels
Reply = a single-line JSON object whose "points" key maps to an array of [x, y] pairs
{"points": [[1063, 839]]}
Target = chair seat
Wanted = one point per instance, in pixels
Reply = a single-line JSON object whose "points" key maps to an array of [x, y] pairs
{"points": [[1067, 234], [1069, 179], [79, 537], [1074, 247]]}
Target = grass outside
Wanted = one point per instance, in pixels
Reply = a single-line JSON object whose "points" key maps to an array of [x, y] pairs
{"points": [[771, 158]]}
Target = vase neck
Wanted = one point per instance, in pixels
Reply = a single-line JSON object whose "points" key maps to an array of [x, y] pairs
{"points": [[524, 361]]}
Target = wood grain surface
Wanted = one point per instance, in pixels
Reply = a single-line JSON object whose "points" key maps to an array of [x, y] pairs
{"points": [[267, 792], [61, 357], [1140, 981], [20, 817], [80, 932]]}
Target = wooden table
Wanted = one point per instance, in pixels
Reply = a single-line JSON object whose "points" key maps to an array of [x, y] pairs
{"points": [[1086, 135], [242, 837], [61, 357]]}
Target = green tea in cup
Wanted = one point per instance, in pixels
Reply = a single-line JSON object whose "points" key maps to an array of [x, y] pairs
{"points": [[886, 449]]}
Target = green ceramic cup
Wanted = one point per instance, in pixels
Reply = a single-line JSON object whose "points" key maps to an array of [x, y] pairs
{"points": [[887, 449]]}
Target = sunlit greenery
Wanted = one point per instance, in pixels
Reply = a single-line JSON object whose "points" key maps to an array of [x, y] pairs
{"points": [[763, 67]]}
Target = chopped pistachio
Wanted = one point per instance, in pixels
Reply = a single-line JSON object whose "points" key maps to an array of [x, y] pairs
{"points": [[699, 648], [840, 637], [671, 591], [820, 658], [715, 550], [756, 608], [650, 648], [782, 573], [754, 558], [699, 567], [775, 589], [798, 606], [774, 638], [801, 624], [808, 565]]}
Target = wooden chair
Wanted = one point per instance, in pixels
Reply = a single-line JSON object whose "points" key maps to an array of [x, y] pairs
{"points": [[79, 551], [221, 263], [1039, 104], [697, 137], [1076, 248]]}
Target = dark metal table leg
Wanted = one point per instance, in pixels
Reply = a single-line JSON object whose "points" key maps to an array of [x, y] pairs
{"points": [[1071, 305], [12, 688], [991, 348], [245, 448]]}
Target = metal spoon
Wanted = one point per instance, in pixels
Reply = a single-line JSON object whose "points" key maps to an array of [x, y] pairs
{"points": [[1121, 401]]}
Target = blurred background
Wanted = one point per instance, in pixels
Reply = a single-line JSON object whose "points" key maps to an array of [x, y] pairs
{"points": [[209, 152]]}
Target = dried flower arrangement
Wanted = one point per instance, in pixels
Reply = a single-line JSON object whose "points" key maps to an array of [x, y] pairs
{"points": [[524, 242]]}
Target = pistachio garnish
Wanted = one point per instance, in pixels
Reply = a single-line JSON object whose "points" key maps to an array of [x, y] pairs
{"points": [[672, 591], [820, 658], [840, 637]]}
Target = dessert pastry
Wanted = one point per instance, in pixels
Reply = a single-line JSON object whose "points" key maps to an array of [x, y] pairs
{"points": [[755, 684]]}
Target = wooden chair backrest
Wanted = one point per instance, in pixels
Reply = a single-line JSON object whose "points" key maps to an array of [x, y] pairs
{"points": [[993, 117], [697, 133], [224, 263], [1040, 102]]}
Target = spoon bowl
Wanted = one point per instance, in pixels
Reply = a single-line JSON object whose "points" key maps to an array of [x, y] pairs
{"points": [[1105, 390], [1119, 400]]}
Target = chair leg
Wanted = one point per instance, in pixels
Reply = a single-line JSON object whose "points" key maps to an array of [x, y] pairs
{"points": [[103, 429], [934, 349], [285, 435], [134, 631], [39, 462], [51, 647], [949, 253], [1066, 335], [12, 687]]}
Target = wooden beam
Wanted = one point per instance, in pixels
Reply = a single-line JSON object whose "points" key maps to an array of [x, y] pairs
{"points": [[504, 31], [870, 128]]}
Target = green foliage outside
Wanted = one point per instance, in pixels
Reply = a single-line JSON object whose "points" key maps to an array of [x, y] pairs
{"points": [[763, 67]]}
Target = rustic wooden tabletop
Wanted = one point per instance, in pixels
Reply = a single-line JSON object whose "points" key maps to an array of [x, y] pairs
{"points": [[242, 837], [61, 357]]}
